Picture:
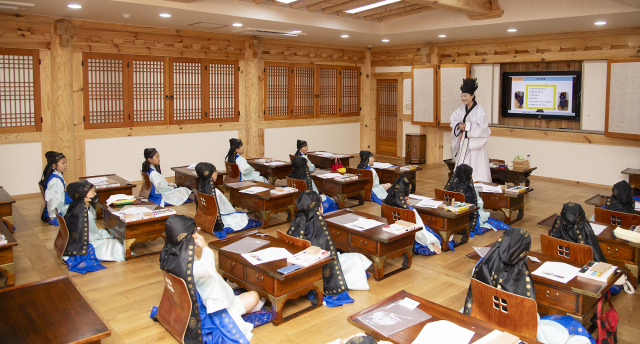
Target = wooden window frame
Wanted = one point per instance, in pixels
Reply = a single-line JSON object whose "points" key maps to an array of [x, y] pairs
{"points": [[130, 110], [289, 91], [292, 91], [358, 105], [173, 97], [127, 121], [35, 54], [207, 90], [338, 91]]}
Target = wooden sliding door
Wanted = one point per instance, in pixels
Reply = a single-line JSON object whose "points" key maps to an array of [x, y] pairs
{"points": [[387, 117]]}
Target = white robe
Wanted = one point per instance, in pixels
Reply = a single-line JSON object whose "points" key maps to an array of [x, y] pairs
{"points": [[312, 167], [315, 189], [170, 195], [424, 237], [54, 196], [474, 151], [216, 294], [377, 188], [236, 220], [106, 246], [483, 216], [248, 172]]}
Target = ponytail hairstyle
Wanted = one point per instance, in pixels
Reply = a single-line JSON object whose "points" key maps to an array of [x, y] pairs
{"points": [[52, 159], [231, 155], [146, 165]]}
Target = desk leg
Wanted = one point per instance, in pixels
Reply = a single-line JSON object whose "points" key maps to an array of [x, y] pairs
{"points": [[445, 240], [277, 303], [265, 217], [341, 198], [291, 212], [378, 264], [272, 180], [361, 201], [10, 273], [507, 215]]}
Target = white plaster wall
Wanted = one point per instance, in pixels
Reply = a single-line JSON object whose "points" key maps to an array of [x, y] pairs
{"points": [[594, 94], [335, 138], [124, 155], [22, 167], [393, 69]]}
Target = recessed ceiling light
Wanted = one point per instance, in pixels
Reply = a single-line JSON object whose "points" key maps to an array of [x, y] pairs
{"points": [[345, 36], [442, 36], [600, 23], [368, 7], [385, 40], [237, 24], [126, 15], [296, 31], [165, 15], [74, 6], [286, 1], [512, 30]]}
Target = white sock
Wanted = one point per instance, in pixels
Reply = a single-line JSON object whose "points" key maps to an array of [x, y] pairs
{"points": [[258, 306]]}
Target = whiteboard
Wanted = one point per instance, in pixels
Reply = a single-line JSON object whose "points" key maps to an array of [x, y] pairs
{"points": [[450, 80], [423, 95], [622, 118]]}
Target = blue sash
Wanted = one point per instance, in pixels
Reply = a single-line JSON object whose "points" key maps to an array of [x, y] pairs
{"points": [[237, 156], [219, 327], [153, 195], [87, 263], [67, 199]]}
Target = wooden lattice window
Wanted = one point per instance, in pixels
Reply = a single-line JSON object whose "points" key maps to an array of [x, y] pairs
{"points": [[105, 91], [223, 92], [328, 84], [19, 91], [304, 91], [187, 91], [148, 90], [350, 87], [277, 95]]}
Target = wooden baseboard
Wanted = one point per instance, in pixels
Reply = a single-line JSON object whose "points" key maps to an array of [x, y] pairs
{"points": [[569, 181]]}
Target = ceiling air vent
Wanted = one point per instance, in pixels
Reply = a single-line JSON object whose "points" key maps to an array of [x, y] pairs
{"points": [[267, 33], [209, 26]]}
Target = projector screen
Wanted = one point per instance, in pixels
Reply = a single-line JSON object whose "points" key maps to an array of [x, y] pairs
{"points": [[545, 95]]}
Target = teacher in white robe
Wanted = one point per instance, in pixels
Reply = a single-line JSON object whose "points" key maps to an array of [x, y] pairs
{"points": [[470, 132]]}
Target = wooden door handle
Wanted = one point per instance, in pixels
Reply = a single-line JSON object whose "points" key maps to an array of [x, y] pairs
{"points": [[614, 252], [334, 233], [259, 279], [231, 265], [364, 244], [430, 219], [547, 294], [495, 199]]}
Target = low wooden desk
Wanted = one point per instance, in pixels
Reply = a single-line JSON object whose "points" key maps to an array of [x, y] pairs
{"points": [[437, 312], [576, 298], [634, 176], [341, 190], [501, 176], [189, 179], [49, 311], [324, 163], [6, 256], [446, 222], [505, 203], [389, 175], [133, 232], [263, 203], [265, 278], [375, 243], [272, 172], [6, 203], [600, 201], [104, 192], [622, 253]]}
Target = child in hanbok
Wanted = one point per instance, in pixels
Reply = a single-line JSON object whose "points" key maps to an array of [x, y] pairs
{"points": [[162, 192], [234, 155]]}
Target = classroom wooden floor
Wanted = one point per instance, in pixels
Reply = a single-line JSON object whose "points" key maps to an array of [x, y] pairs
{"points": [[123, 294]]}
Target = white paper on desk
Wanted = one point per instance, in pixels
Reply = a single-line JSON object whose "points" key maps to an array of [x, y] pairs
{"points": [[254, 190], [534, 259], [482, 251], [119, 197], [597, 229], [192, 166], [443, 331], [418, 197], [133, 211], [363, 224], [329, 175], [560, 272], [96, 180], [488, 338], [275, 163], [429, 203], [637, 206], [377, 164], [491, 189], [266, 255]]}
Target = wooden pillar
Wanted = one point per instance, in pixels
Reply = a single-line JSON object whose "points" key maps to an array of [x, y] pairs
{"points": [[367, 99], [252, 144], [62, 90], [399, 125]]}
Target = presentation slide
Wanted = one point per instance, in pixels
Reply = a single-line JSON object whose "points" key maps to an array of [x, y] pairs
{"points": [[551, 95]]}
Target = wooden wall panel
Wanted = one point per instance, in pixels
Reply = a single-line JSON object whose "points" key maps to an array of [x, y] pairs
{"points": [[538, 67]]}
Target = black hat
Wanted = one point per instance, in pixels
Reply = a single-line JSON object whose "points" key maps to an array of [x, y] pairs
{"points": [[469, 85]]}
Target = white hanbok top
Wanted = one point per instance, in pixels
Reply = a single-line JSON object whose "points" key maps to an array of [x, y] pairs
{"points": [[107, 248], [474, 149], [54, 196], [424, 237], [236, 220], [377, 188], [170, 195], [248, 172], [312, 167], [214, 291]]}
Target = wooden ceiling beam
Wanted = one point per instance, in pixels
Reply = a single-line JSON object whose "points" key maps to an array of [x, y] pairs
{"points": [[259, 1], [349, 5], [392, 12], [405, 13], [303, 3], [471, 7], [324, 4], [496, 12], [381, 9]]}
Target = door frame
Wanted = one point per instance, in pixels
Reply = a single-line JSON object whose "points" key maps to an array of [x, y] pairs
{"points": [[399, 111]]}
